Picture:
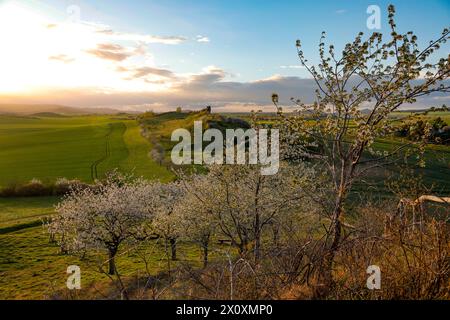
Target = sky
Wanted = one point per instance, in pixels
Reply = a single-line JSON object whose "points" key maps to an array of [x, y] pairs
{"points": [[158, 55]]}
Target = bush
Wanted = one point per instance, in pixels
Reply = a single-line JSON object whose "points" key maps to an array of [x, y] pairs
{"points": [[35, 188], [415, 130], [414, 259], [63, 186]]}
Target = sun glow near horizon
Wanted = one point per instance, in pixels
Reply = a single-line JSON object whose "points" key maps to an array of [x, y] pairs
{"points": [[38, 53]]}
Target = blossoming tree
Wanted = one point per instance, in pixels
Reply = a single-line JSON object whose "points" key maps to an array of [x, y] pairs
{"points": [[377, 74], [104, 217]]}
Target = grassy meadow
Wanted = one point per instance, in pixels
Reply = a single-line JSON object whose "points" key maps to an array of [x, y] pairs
{"points": [[32, 268], [81, 147], [23, 210]]}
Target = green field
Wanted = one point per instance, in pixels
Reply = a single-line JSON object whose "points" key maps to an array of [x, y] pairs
{"points": [[49, 147], [20, 211], [138, 160], [445, 115], [82, 148], [33, 268]]}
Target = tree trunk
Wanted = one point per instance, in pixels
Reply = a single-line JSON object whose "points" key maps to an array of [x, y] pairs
{"points": [[327, 268], [173, 249], [112, 265], [275, 233], [257, 238], [336, 233], [166, 247], [205, 256]]}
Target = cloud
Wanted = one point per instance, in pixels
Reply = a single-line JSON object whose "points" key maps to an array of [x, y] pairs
{"points": [[142, 72], [341, 11], [292, 67], [110, 51], [62, 58], [109, 34], [196, 91], [209, 75], [144, 38], [239, 107], [110, 47], [200, 38]]}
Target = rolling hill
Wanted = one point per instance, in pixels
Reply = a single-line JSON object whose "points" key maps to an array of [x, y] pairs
{"points": [[75, 147], [31, 109]]}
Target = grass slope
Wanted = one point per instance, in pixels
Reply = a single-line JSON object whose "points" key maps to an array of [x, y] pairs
{"points": [[19, 211], [33, 268], [73, 147], [138, 160]]}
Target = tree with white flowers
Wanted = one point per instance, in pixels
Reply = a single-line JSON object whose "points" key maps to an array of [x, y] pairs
{"points": [[243, 203], [165, 223], [104, 217], [194, 213], [378, 74]]}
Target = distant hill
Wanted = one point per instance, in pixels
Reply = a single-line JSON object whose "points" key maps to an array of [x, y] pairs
{"points": [[158, 127], [36, 109], [48, 115]]}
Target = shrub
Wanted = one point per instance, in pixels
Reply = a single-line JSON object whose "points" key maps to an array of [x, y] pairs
{"points": [[63, 186], [414, 259], [9, 190], [33, 188]]}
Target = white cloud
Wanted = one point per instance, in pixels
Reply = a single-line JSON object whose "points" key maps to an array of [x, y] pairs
{"points": [[62, 58], [200, 38], [292, 67], [195, 91], [109, 34], [147, 38]]}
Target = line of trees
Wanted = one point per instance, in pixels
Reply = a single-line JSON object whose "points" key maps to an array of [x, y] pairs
{"points": [[235, 204]]}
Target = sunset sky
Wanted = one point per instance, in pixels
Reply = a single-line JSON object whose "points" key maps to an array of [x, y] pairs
{"points": [[157, 55]]}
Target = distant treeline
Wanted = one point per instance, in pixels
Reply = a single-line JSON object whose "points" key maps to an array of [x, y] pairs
{"points": [[415, 130]]}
